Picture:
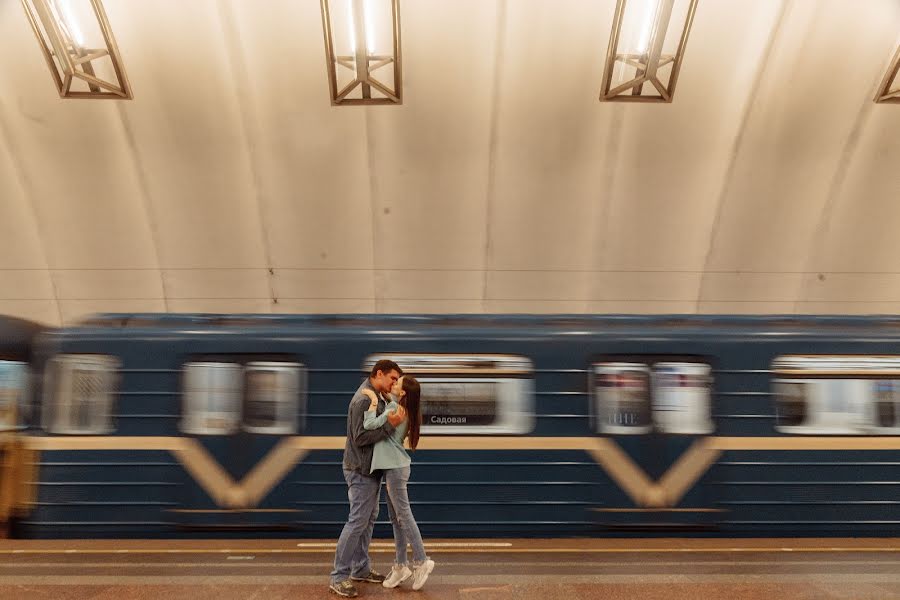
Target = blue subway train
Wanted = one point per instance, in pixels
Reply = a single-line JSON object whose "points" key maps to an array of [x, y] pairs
{"points": [[183, 425]]}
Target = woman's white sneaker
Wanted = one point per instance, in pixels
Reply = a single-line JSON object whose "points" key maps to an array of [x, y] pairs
{"points": [[421, 573], [398, 574]]}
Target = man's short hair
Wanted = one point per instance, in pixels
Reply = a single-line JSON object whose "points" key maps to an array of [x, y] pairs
{"points": [[385, 366]]}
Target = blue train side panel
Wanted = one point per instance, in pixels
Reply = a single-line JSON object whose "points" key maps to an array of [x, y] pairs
{"points": [[562, 478]]}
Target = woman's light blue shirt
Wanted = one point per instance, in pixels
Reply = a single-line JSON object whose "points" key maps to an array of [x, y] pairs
{"points": [[388, 453]]}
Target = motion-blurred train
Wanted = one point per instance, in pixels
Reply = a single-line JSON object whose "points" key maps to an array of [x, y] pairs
{"points": [[182, 425]]}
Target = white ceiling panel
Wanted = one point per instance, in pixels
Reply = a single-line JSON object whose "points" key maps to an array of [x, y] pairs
{"points": [[325, 306], [546, 180], [310, 160], [668, 286], [533, 306], [118, 284], [429, 159], [295, 284], [751, 308], [648, 307], [428, 306], [216, 283], [860, 232], [672, 160], [20, 242], [41, 311], [851, 308], [852, 287], [800, 131], [752, 287], [186, 133], [432, 285], [501, 184], [25, 284], [71, 160], [536, 285]]}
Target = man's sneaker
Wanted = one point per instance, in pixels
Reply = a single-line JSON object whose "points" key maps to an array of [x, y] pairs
{"points": [[372, 577], [398, 574], [344, 588], [421, 573]]}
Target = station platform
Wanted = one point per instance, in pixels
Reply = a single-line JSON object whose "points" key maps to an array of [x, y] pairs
{"points": [[488, 569]]}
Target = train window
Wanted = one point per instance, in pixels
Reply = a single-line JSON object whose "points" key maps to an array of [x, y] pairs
{"points": [[78, 394], [470, 393], [886, 409], [470, 402], [821, 406], [273, 396], [13, 394], [819, 395], [681, 394], [212, 398], [790, 403], [622, 397], [632, 398]]}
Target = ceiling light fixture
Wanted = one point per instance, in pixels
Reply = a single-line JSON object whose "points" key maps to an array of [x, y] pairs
{"points": [[362, 48], [79, 48], [646, 47], [889, 90]]}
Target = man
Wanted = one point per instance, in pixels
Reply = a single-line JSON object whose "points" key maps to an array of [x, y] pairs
{"points": [[351, 558]]}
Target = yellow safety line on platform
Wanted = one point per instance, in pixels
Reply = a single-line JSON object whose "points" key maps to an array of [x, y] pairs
{"points": [[333, 545], [468, 550]]}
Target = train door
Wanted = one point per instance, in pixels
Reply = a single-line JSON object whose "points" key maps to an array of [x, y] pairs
{"points": [[13, 377], [656, 412], [239, 413], [14, 406]]}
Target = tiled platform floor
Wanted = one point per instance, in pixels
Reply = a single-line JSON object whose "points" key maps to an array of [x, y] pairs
{"points": [[820, 569]]}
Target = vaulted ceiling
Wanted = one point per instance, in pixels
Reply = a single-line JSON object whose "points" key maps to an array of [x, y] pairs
{"points": [[230, 184]]}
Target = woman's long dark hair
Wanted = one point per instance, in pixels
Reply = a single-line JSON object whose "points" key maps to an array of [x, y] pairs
{"points": [[410, 401]]}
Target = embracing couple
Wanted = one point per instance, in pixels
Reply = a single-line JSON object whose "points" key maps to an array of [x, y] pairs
{"points": [[383, 412]]}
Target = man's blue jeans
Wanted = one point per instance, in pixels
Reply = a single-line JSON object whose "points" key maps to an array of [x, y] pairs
{"points": [[351, 558]]}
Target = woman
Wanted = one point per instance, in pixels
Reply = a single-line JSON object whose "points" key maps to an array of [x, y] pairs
{"points": [[390, 457]]}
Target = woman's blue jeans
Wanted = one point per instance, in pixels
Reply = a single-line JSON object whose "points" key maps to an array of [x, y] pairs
{"points": [[405, 529]]}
